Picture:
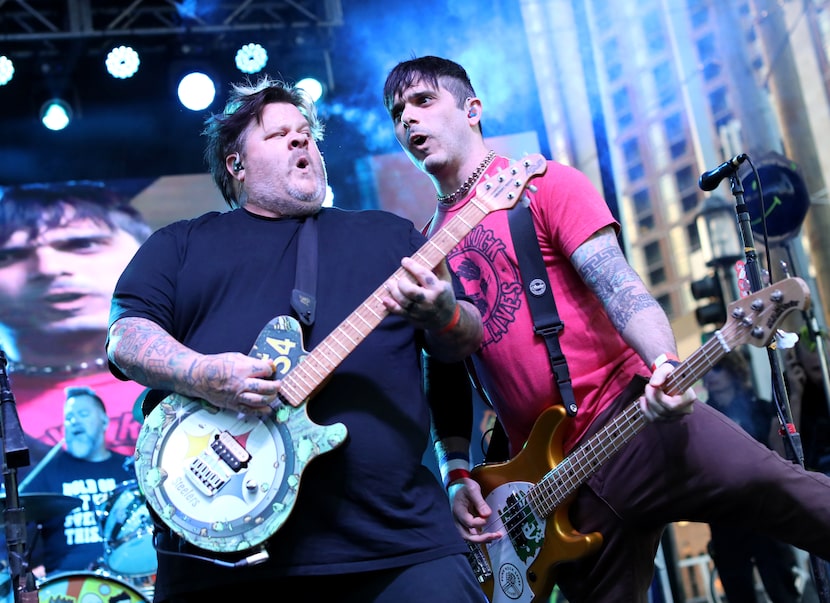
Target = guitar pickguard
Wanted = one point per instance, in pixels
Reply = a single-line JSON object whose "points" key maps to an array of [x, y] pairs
{"points": [[225, 481], [511, 557]]}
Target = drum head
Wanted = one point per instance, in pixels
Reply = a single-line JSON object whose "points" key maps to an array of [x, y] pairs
{"points": [[127, 530], [87, 587]]}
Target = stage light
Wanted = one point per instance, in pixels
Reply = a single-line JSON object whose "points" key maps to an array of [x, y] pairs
{"points": [[196, 91], [122, 62], [56, 114], [6, 70], [312, 86], [251, 58]]}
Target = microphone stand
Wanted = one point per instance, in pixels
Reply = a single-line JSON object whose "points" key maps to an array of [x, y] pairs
{"points": [[814, 331], [792, 439], [15, 455]]}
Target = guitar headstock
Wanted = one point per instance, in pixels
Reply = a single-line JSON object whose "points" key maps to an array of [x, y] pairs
{"points": [[755, 318], [503, 189]]}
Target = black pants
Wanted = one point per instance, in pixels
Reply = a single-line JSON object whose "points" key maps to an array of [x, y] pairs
{"points": [[448, 579]]}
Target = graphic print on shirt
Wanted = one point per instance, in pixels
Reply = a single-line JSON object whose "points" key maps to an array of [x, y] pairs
{"points": [[81, 524], [496, 295]]}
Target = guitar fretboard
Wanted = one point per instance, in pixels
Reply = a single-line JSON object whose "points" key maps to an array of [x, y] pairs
{"points": [[501, 191]]}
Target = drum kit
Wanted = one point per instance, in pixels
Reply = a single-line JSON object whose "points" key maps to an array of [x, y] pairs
{"points": [[126, 570]]}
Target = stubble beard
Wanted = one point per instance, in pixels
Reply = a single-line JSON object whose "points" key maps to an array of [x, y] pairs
{"points": [[291, 200]]}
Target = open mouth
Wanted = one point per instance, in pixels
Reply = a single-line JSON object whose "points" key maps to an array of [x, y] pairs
{"points": [[302, 163], [57, 298]]}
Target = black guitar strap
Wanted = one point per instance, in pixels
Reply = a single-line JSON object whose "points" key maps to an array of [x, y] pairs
{"points": [[546, 321], [303, 299]]}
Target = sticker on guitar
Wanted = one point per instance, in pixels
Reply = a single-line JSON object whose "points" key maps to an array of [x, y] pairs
{"points": [[226, 482], [530, 493]]}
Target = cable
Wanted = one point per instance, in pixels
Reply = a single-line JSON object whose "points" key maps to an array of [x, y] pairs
{"points": [[254, 559]]}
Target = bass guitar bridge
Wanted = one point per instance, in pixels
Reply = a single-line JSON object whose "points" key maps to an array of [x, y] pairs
{"points": [[478, 561]]}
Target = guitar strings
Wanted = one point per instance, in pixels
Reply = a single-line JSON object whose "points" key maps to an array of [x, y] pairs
{"points": [[516, 513]]}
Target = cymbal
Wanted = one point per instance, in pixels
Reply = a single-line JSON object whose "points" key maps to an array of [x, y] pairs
{"points": [[38, 506]]}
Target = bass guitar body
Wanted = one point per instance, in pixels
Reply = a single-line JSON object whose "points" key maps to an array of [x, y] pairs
{"points": [[224, 481], [520, 567]]}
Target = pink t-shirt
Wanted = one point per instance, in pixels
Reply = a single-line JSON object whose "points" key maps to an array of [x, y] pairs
{"points": [[39, 403], [567, 209]]}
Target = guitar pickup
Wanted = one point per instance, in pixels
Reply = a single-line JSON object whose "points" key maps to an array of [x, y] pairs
{"points": [[232, 452], [212, 469]]}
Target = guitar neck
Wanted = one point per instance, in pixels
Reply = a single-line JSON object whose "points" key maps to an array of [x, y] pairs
{"points": [[563, 480], [309, 375]]}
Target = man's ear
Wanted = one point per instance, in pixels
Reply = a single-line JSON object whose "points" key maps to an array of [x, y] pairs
{"points": [[233, 163], [473, 107]]}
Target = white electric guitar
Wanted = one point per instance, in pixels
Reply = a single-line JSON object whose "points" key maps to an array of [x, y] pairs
{"points": [[226, 482]]}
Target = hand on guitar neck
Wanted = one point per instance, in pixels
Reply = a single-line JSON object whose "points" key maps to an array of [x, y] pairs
{"points": [[660, 402]]}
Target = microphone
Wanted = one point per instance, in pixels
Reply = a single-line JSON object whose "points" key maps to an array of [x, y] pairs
{"points": [[710, 180]]}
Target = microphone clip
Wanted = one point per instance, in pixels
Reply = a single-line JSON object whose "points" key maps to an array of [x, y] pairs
{"points": [[710, 180]]}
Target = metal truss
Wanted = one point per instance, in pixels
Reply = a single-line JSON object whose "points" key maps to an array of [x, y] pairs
{"points": [[38, 26]]}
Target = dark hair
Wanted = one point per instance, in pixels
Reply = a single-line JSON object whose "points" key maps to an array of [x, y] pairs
{"points": [[226, 131], [434, 71], [76, 391], [44, 205]]}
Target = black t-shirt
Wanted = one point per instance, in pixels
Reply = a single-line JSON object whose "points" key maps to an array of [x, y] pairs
{"points": [[213, 283], [76, 542]]}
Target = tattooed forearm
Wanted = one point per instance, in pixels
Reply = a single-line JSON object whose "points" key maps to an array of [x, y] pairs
{"points": [[146, 353], [614, 281]]}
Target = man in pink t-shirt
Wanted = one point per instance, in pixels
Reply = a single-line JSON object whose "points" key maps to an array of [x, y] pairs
{"points": [[640, 458]]}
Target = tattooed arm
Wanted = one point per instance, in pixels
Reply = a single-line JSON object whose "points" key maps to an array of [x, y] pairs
{"points": [[147, 354], [632, 309], [635, 314]]}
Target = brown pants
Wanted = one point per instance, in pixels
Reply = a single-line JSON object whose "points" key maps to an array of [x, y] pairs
{"points": [[701, 467]]}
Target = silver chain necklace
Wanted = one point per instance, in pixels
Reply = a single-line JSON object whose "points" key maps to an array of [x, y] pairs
{"points": [[461, 192]]}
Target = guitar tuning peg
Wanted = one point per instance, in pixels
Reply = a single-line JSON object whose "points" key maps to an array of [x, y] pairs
{"points": [[785, 340], [532, 188]]}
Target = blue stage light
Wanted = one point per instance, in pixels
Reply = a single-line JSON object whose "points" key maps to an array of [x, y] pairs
{"points": [[6, 70], [196, 91], [56, 114], [251, 58], [122, 62]]}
